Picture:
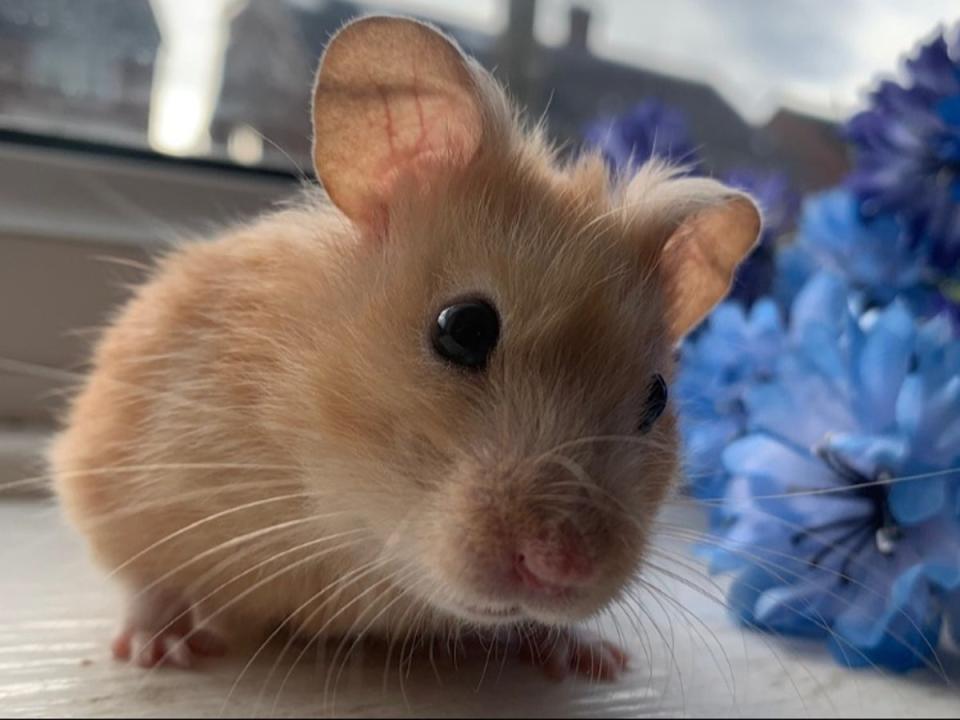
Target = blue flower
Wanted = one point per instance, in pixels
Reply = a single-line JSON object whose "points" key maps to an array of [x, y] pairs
{"points": [[907, 152], [735, 349], [779, 204], [875, 255], [650, 129], [794, 265], [827, 541]]}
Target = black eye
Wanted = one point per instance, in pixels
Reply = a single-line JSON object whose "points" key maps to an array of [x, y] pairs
{"points": [[466, 333], [655, 405]]}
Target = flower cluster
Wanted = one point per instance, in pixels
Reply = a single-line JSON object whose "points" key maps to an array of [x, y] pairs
{"points": [[735, 350], [842, 511], [907, 146], [820, 404]]}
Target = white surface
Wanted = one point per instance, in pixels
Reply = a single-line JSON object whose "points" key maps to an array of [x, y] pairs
{"points": [[57, 615]]}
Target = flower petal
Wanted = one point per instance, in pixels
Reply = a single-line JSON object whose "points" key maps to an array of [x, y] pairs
{"points": [[897, 629], [883, 365], [915, 501]]}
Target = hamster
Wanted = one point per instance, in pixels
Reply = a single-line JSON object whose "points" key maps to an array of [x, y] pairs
{"points": [[429, 399]]}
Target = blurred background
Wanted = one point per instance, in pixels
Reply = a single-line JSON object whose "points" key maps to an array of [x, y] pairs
{"points": [[229, 79], [127, 123]]}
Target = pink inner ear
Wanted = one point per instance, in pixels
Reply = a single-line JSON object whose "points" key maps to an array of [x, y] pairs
{"points": [[393, 99], [419, 128]]}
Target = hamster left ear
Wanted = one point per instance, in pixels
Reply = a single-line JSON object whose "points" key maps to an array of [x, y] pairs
{"points": [[701, 256], [392, 95]]}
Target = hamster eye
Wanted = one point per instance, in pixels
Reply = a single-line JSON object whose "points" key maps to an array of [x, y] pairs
{"points": [[466, 333], [655, 405]]}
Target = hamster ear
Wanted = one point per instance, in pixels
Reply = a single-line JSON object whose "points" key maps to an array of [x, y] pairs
{"points": [[701, 256], [391, 95]]}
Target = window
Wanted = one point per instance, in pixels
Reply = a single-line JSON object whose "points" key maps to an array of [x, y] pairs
{"points": [[126, 122]]}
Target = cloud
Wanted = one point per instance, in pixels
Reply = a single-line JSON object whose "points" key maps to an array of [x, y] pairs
{"points": [[814, 56]]}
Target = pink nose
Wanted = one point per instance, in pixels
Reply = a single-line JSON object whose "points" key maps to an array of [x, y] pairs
{"points": [[554, 564]]}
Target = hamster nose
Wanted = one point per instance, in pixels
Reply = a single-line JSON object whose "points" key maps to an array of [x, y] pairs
{"points": [[553, 565]]}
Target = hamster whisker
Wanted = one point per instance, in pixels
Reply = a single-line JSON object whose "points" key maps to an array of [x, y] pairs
{"points": [[691, 621], [785, 575], [210, 518], [413, 627], [233, 542], [841, 575], [390, 580], [669, 644], [697, 620], [634, 607], [345, 581], [400, 622], [124, 469], [305, 180], [620, 610], [840, 488], [680, 561], [585, 483], [699, 535], [182, 500], [590, 439], [722, 602], [401, 595], [31, 369], [269, 638]]}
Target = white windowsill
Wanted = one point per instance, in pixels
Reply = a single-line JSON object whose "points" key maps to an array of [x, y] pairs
{"points": [[59, 613]]}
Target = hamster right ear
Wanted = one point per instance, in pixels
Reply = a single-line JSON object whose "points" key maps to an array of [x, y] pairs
{"points": [[719, 228], [392, 96]]}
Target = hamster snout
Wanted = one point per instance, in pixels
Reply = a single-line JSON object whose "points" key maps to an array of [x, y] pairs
{"points": [[514, 547]]}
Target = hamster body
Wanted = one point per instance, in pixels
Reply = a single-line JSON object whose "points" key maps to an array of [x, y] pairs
{"points": [[432, 397]]}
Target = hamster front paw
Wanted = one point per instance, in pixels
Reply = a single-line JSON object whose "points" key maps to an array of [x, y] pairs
{"points": [[160, 629], [566, 652]]}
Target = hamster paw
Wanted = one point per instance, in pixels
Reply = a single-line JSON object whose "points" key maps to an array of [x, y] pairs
{"points": [[575, 652], [160, 630]]}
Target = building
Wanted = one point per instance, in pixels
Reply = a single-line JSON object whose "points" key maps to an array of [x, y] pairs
{"points": [[78, 68], [274, 48]]}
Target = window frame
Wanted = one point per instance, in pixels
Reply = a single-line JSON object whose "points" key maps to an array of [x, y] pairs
{"points": [[67, 208]]}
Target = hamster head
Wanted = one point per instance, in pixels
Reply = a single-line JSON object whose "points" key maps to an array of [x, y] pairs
{"points": [[499, 401]]}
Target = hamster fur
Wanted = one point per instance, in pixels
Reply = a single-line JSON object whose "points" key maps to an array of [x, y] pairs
{"points": [[267, 436]]}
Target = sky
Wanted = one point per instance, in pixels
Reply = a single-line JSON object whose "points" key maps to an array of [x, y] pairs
{"points": [[817, 56]]}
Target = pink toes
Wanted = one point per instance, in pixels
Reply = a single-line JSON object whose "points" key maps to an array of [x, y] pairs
{"points": [[575, 653], [160, 630], [147, 648]]}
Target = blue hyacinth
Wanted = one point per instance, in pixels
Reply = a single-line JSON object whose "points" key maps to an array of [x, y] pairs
{"points": [[907, 151], [650, 129], [875, 255], [826, 541], [734, 350], [820, 404]]}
